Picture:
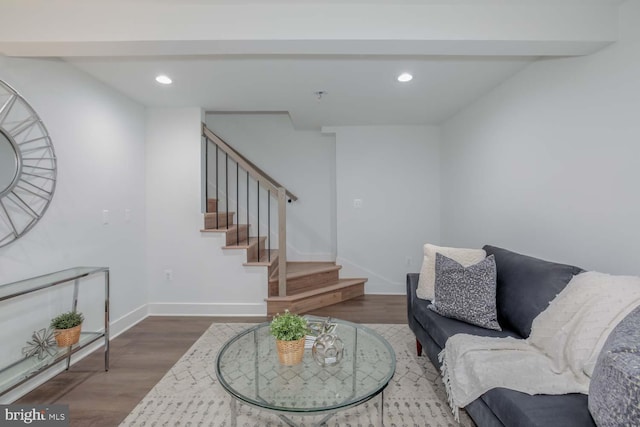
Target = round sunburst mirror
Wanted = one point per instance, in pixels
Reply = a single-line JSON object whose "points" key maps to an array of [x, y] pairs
{"points": [[27, 166]]}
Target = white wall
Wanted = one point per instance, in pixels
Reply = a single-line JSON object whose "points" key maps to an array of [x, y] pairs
{"points": [[98, 135], [302, 161], [206, 278], [395, 171], [549, 162]]}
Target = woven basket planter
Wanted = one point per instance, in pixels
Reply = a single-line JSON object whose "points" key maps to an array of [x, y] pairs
{"points": [[68, 337], [290, 352]]}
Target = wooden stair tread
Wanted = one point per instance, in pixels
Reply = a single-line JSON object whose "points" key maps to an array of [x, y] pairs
{"points": [[246, 245], [264, 259], [342, 283], [223, 212], [301, 269], [232, 227]]}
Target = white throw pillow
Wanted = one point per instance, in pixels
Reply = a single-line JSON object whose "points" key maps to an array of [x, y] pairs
{"points": [[427, 280]]}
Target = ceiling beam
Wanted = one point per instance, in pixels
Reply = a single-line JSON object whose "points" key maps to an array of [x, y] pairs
{"points": [[96, 28]]}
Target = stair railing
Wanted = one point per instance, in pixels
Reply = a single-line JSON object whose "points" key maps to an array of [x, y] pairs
{"points": [[263, 180]]}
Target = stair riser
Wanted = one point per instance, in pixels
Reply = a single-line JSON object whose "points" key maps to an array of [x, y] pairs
{"points": [[316, 301], [210, 220], [252, 252], [233, 235], [306, 283], [212, 205]]}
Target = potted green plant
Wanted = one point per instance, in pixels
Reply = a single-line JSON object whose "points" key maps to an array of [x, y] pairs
{"points": [[289, 330], [67, 328]]}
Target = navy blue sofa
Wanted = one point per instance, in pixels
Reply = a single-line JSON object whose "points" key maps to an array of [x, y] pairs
{"points": [[525, 286]]}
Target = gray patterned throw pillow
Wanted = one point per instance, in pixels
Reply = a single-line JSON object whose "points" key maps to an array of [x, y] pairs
{"points": [[467, 294]]}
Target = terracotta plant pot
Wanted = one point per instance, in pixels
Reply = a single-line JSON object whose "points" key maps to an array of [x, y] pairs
{"points": [[68, 337], [290, 352]]}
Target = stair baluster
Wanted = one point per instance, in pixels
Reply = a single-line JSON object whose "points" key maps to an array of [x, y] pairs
{"points": [[226, 183], [206, 173], [269, 225], [238, 202], [248, 208], [217, 198], [258, 220]]}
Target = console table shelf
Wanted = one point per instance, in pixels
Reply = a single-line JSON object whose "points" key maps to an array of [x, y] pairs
{"points": [[24, 369]]}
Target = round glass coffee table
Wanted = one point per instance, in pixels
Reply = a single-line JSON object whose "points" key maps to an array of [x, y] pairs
{"points": [[248, 369]]}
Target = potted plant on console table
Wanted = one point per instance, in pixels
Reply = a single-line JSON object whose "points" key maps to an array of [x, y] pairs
{"points": [[290, 331], [67, 328]]}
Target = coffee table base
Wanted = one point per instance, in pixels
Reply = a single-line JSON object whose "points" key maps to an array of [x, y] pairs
{"points": [[288, 421]]}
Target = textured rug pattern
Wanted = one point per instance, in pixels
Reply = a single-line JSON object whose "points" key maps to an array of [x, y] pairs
{"points": [[190, 395]]}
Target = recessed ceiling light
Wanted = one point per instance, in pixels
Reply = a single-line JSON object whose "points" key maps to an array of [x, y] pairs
{"points": [[405, 77], [165, 80]]}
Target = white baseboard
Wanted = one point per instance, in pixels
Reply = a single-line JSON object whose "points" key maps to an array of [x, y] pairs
{"points": [[207, 309], [116, 328], [376, 283], [128, 321]]}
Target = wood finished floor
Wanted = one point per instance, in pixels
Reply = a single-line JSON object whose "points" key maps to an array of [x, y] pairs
{"points": [[141, 356]]}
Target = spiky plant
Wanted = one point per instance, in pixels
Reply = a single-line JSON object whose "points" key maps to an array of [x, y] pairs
{"points": [[67, 320]]}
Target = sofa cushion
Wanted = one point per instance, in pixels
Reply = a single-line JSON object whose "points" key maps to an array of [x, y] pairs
{"points": [[441, 328], [525, 286], [427, 280], [514, 408], [614, 391], [466, 293]]}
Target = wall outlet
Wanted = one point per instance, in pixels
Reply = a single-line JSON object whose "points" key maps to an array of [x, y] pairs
{"points": [[408, 260], [127, 215], [168, 275], [357, 203], [105, 217]]}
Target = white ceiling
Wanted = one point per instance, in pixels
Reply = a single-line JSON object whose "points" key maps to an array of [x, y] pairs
{"points": [[359, 91], [272, 55], [390, 2]]}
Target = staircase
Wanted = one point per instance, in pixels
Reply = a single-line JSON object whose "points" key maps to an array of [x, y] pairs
{"points": [[297, 286]]}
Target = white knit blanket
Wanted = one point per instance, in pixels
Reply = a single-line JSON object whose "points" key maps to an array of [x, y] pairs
{"points": [[560, 353]]}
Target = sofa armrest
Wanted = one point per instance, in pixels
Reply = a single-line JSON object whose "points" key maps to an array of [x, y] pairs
{"points": [[412, 285]]}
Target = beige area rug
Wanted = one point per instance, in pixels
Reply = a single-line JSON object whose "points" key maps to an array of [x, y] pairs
{"points": [[189, 394]]}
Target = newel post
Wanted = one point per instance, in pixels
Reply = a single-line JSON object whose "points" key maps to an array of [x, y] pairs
{"points": [[282, 242]]}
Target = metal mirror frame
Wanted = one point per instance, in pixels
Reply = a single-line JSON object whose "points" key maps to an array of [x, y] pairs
{"points": [[17, 160], [25, 200]]}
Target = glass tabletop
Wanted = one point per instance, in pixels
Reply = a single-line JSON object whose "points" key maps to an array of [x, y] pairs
{"points": [[10, 290], [247, 367]]}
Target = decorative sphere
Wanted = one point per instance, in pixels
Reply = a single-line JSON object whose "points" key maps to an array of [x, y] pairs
{"points": [[327, 350]]}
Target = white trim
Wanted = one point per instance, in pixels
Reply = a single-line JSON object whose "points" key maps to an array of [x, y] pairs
{"points": [[129, 320], [377, 284], [373, 288], [207, 309], [116, 328]]}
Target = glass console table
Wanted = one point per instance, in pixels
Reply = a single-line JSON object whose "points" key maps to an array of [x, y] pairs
{"points": [[22, 370]]}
